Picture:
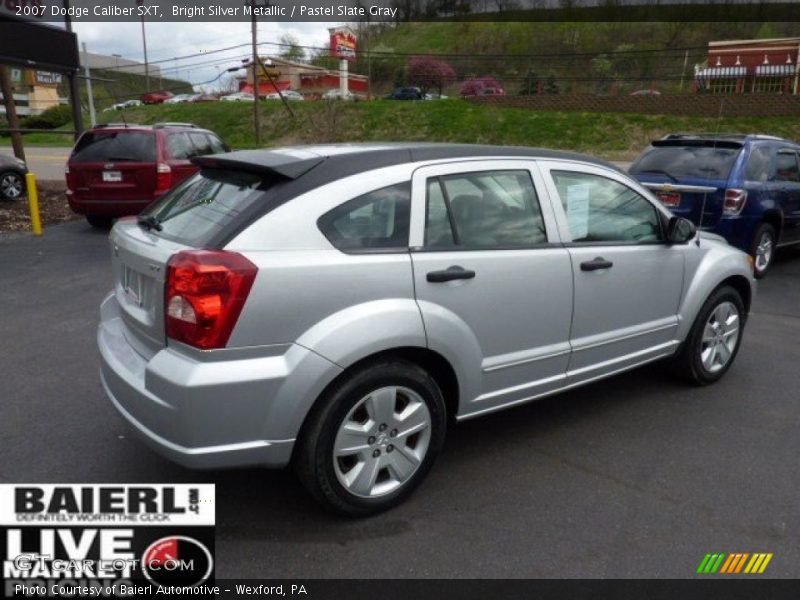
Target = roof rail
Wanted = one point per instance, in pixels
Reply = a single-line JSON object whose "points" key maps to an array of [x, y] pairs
{"points": [[727, 136], [171, 124], [102, 125]]}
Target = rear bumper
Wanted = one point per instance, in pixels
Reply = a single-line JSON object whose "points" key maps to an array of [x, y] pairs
{"points": [[108, 207], [216, 414]]}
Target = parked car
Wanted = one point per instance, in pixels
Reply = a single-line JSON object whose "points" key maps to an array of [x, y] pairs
{"points": [[12, 177], [435, 96], [337, 306], [646, 93], [288, 94], [119, 169], [406, 93], [180, 99], [238, 97], [491, 91], [336, 94], [156, 97], [204, 98], [123, 105], [745, 188]]}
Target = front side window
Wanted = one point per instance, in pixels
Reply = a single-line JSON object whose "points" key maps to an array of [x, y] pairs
{"points": [[376, 220], [487, 209], [786, 166], [599, 209]]}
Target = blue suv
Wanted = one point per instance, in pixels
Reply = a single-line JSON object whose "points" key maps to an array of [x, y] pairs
{"points": [[745, 188]]}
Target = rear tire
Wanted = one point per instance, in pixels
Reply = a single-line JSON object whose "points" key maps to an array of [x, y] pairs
{"points": [[714, 339], [99, 222], [372, 439], [763, 249]]}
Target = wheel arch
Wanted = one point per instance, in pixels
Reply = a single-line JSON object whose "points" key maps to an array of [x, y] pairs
{"points": [[436, 365]]}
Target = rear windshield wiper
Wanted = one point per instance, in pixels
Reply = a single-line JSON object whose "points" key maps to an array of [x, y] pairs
{"points": [[149, 222], [659, 172]]}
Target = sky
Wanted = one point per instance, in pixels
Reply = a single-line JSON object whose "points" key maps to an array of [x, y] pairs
{"points": [[168, 40]]}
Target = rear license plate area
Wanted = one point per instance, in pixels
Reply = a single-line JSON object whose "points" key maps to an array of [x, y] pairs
{"points": [[669, 198], [112, 176]]}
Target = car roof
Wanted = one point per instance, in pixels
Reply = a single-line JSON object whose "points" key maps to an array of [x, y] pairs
{"points": [[153, 127], [334, 161], [733, 137]]}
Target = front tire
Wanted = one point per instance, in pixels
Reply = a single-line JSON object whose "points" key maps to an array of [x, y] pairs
{"points": [[763, 249], [714, 340], [373, 438]]}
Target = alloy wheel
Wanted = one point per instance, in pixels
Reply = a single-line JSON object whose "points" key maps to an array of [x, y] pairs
{"points": [[382, 441], [720, 336], [764, 250], [11, 186]]}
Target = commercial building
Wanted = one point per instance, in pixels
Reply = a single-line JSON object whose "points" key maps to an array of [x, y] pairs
{"points": [[750, 66]]}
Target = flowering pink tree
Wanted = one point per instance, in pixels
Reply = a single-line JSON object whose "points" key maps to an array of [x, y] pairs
{"points": [[427, 72], [472, 86]]}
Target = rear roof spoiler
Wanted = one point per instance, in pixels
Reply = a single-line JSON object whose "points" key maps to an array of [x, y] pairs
{"points": [[706, 143], [290, 165]]}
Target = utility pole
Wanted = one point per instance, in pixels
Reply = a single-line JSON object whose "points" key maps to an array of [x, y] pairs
{"points": [[11, 112], [683, 71], [256, 64], [144, 46], [89, 95], [72, 81]]}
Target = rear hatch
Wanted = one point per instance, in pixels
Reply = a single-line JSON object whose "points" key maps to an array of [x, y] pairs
{"points": [[114, 165], [689, 176], [189, 217]]}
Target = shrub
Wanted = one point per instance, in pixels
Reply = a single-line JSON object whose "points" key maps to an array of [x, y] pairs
{"points": [[53, 118]]}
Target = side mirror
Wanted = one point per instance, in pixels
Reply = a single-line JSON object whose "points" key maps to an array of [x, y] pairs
{"points": [[680, 230]]}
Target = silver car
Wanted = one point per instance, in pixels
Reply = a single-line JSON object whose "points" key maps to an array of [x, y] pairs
{"points": [[335, 307]]}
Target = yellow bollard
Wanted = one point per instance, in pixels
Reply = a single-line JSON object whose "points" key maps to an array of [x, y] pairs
{"points": [[33, 202]]}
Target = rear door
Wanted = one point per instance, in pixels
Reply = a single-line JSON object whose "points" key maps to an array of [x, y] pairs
{"points": [[785, 184], [115, 165], [689, 176], [492, 281], [628, 281]]}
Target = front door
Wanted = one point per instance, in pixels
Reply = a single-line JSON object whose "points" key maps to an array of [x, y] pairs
{"points": [[628, 281], [493, 283]]}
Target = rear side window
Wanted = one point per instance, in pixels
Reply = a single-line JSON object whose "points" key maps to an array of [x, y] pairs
{"points": [[483, 210], [116, 146], [179, 146], [376, 220], [786, 166], [216, 144], [758, 164], [699, 162], [201, 143], [198, 209]]}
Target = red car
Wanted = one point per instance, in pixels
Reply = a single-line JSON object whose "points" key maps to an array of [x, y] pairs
{"points": [[117, 169], [156, 97]]}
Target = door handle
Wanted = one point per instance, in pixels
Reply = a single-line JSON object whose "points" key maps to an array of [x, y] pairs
{"points": [[596, 264], [449, 274]]}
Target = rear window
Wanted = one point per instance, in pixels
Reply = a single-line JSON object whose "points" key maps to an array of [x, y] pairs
{"points": [[104, 146], [698, 162], [201, 207]]}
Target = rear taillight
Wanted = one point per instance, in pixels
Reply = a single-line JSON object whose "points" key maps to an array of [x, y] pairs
{"points": [[734, 201], [68, 180], [163, 178], [205, 293]]}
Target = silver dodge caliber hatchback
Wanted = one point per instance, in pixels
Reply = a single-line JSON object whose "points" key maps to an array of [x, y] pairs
{"points": [[334, 307]]}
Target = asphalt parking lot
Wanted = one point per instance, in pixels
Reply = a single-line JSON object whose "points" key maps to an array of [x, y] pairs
{"points": [[637, 476]]}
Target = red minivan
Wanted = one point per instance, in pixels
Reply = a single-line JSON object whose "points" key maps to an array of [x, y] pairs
{"points": [[118, 169]]}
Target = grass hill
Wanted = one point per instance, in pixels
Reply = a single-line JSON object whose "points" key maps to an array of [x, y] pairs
{"points": [[613, 136]]}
